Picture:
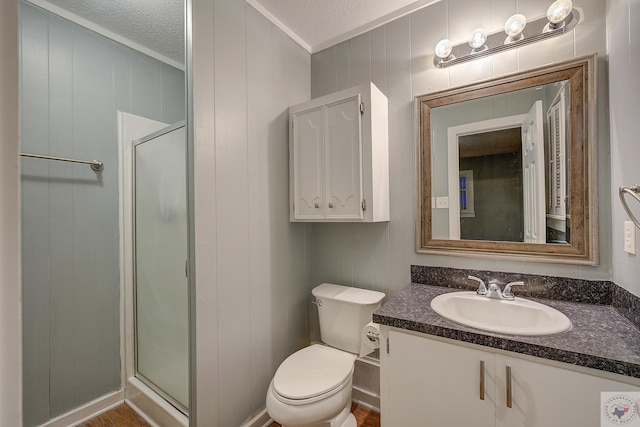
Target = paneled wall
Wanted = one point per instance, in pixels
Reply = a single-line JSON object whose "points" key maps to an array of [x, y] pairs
{"points": [[10, 309], [623, 24], [73, 83], [253, 265], [397, 57]]}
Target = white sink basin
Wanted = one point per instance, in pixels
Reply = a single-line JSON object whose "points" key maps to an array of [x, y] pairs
{"points": [[517, 317]]}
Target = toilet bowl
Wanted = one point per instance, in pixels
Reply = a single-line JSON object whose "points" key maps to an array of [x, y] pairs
{"points": [[312, 387]]}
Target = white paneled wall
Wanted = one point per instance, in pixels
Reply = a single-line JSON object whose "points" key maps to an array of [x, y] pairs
{"points": [[397, 57], [623, 25], [253, 266]]}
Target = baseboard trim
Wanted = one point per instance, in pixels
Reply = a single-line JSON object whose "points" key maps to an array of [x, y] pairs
{"points": [[261, 420], [87, 411], [365, 398]]}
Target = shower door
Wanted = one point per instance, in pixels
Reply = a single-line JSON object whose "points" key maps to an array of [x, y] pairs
{"points": [[161, 284]]}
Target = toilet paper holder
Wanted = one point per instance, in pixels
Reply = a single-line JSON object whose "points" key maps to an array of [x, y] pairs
{"points": [[370, 339], [373, 337]]}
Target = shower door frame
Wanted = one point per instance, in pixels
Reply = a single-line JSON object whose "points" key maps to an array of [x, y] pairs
{"points": [[137, 394], [136, 373]]}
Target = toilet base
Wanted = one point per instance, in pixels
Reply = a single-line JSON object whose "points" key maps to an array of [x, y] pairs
{"points": [[331, 411], [344, 419]]}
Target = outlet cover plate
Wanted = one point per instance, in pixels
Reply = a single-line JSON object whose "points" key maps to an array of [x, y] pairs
{"points": [[629, 237]]}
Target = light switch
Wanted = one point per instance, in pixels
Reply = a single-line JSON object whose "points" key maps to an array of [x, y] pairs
{"points": [[442, 202], [629, 237]]}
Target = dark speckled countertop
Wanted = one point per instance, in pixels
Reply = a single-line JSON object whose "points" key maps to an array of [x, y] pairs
{"points": [[599, 337]]}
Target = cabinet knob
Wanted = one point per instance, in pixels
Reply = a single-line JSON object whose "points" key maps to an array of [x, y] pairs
{"points": [[317, 205], [330, 205]]}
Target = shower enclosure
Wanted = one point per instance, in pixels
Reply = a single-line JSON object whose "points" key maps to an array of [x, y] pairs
{"points": [[160, 264], [78, 347]]}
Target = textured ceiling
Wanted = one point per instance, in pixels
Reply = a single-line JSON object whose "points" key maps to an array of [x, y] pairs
{"points": [[158, 25], [322, 23], [155, 24]]}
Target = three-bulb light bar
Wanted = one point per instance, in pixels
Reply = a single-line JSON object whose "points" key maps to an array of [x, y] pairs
{"points": [[561, 18]]}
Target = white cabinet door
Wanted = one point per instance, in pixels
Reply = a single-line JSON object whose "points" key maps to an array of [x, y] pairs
{"points": [[544, 395], [339, 157], [343, 151], [308, 164], [430, 383]]}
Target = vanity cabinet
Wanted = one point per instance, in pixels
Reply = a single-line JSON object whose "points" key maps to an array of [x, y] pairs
{"points": [[430, 382], [339, 157], [427, 383]]}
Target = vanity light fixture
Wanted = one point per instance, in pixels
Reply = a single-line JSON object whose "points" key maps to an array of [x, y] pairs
{"points": [[478, 38], [514, 27], [443, 49], [558, 12], [560, 19]]}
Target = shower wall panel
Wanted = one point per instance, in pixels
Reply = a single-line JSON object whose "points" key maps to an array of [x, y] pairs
{"points": [[73, 83]]}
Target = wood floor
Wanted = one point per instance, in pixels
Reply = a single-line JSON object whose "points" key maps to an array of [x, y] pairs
{"points": [[123, 416], [365, 417], [120, 416]]}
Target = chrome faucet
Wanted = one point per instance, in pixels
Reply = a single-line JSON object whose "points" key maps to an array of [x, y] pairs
{"points": [[507, 294], [493, 291], [482, 288]]}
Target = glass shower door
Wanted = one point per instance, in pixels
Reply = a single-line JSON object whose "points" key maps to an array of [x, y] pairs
{"points": [[161, 284]]}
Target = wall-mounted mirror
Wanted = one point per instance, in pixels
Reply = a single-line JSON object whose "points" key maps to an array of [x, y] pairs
{"points": [[507, 167]]}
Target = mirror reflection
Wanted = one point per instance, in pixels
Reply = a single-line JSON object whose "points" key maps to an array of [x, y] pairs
{"points": [[506, 167], [500, 166]]}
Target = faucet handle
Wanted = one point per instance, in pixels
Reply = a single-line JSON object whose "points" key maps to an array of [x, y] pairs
{"points": [[482, 288], [507, 289]]}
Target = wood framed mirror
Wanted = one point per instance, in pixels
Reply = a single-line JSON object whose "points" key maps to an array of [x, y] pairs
{"points": [[506, 168]]}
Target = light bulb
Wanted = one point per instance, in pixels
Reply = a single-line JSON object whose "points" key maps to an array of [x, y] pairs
{"points": [[558, 11], [514, 25], [443, 49], [478, 38]]}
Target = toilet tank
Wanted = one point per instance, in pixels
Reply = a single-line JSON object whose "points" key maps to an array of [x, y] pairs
{"points": [[343, 311]]}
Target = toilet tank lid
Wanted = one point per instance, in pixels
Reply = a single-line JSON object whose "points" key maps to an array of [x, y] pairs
{"points": [[347, 294]]}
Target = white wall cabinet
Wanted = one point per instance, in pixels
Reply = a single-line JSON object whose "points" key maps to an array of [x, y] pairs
{"points": [[339, 157], [429, 382]]}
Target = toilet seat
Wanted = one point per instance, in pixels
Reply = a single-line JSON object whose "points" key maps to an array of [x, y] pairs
{"points": [[312, 374]]}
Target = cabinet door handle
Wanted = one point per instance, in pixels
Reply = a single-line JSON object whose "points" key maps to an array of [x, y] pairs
{"points": [[317, 205], [330, 205], [482, 380], [509, 390]]}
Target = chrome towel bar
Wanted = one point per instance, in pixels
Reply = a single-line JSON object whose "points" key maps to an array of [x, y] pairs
{"points": [[633, 190], [95, 164]]}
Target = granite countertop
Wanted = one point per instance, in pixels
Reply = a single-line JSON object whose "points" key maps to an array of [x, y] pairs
{"points": [[599, 338]]}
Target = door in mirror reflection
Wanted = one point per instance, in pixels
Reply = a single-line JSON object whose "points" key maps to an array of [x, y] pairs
{"points": [[491, 202], [533, 175]]}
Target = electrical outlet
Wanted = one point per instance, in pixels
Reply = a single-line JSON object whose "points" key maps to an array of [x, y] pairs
{"points": [[629, 237]]}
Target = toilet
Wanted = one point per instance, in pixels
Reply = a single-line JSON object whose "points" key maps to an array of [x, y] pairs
{"points": [[312, 387]]}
